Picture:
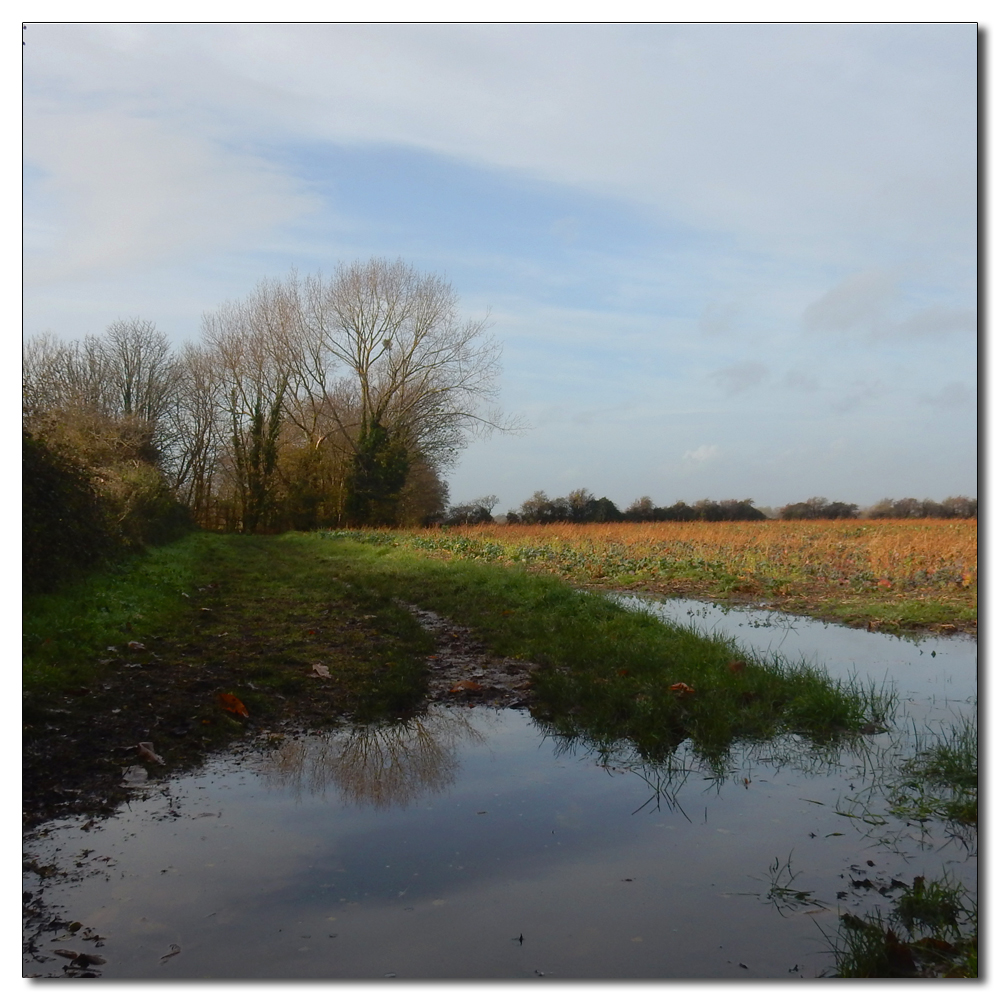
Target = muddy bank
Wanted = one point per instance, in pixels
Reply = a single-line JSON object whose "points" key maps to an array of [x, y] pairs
{"points": [[462, 671], [159, 703]]}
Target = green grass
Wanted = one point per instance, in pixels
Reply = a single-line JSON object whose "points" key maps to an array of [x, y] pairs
{"points": [[64, 633], [900, 615], [941, 781], [931, 931], [607, 674]]}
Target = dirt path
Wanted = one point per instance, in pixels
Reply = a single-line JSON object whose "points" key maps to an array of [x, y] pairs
{"points": [[159, 703]]}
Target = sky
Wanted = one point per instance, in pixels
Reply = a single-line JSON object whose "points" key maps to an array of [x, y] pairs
{"points": [[724, 260]]}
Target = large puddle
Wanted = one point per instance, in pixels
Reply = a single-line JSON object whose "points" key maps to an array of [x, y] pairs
{"points": [[471, 844]]}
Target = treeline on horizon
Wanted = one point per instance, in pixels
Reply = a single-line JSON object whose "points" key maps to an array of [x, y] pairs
{"points": [[581, 507], [316, 402]]}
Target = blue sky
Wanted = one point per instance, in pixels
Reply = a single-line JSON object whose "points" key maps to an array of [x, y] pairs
{"points": [[724, 260]]}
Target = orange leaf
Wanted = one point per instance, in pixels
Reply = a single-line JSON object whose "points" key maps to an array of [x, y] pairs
{"points": [[233, 704], [466, 686], [736, 667], [681, 688]]}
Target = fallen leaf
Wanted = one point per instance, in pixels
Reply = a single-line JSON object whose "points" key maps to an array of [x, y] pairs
{"points": [[466, 686], [681, 688], [320, 670], [136, 645], [736, 667], [146, 752], [232, 704]]}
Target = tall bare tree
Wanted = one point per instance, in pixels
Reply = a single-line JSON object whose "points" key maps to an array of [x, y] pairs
{"points": [[423, 377], [246, 342]]}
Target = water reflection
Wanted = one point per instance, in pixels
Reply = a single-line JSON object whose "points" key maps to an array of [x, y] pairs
{"points": [[385, 766], [932, 674], [590, 862]]}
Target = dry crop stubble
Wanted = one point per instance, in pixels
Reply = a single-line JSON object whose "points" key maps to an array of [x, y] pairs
{"points": [[889, 573]]}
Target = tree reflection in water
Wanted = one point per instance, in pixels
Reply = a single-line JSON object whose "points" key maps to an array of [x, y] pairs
{"points": [[385, 766]]}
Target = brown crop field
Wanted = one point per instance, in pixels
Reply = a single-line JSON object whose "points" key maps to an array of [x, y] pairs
{"points": [[883, 574]]}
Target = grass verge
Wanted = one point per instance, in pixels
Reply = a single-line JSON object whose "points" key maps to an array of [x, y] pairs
{"points": [[249, 617], [608, 673]]}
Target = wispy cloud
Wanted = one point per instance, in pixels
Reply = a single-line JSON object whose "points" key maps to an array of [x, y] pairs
{"points": [[703, 453], [862, 393], [934, 321], [859, 302], [738, 378], [953, 396]]}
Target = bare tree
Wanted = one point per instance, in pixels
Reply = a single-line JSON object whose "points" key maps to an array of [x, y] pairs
{"points": [[194, 424], [142, 373], [246, 340], [422, 375]]}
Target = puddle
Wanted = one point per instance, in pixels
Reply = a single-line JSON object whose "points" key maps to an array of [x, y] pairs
{"points": [[934, 676], [471, 844]]}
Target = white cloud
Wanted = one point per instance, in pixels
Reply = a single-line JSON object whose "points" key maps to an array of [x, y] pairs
{"points": [[116, 191], [738, 378], [858, 302], [703, 453], [718, 318], [935, 321], [953, 396], [833, 140], [860, 395], [800, 381]]}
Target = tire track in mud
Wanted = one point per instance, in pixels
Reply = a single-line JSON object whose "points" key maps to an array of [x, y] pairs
{"points": [[463, 672]]}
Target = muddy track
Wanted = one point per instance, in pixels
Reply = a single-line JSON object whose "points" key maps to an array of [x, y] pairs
{"points": [[462, 671], [79, 746]]}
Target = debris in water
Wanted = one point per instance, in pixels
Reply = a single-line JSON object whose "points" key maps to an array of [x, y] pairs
{"points": [[147, 753]]}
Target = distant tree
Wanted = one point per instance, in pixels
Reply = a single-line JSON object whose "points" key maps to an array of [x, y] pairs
{"points": [[741, 510], [959, 507], [246, 344], [909, 507], [603, 510], [479, 511], [839, 509], [579, 504], [680, 511], [817, 508], [537, 509], [101, 404], [424, 499], [641, 509]]}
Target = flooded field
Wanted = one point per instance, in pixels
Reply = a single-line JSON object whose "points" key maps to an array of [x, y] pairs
{"points": [[476, 843]]}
